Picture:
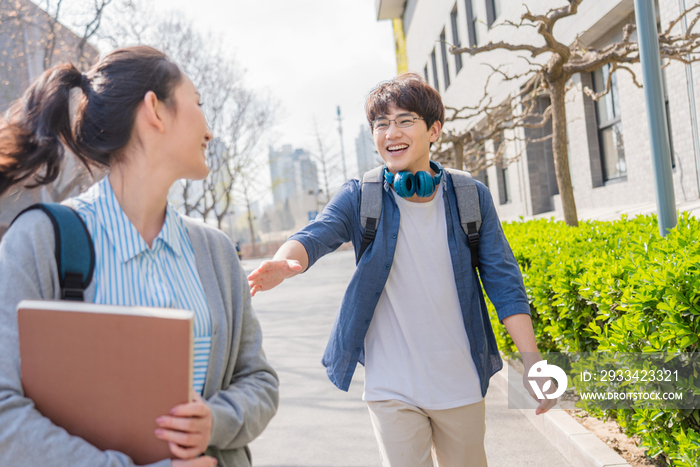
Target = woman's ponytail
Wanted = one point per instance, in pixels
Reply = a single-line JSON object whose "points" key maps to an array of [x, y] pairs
{"points": [[38, 126], [34, 128]]}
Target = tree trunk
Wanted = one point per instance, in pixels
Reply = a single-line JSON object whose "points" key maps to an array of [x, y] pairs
{"points": [[459, 155], [250, 227], [322, 156], [186, 197], [561, 155]]}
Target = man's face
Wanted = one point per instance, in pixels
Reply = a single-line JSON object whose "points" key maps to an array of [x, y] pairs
{"points": [[404, 149]]}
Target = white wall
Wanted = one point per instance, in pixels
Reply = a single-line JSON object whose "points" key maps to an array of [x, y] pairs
{"points": [[598, 22]]}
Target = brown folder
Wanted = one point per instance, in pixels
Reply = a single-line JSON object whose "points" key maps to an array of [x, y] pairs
{"points": [[105, 373]]}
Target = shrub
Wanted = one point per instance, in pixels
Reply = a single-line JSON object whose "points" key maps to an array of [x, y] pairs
{"points": [[616, 286]]}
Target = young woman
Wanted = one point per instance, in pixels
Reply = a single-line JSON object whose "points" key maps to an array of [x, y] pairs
{"points": [[141, 116]]}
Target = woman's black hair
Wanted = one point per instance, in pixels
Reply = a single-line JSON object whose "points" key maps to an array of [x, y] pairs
{"points": [[37, 126]]}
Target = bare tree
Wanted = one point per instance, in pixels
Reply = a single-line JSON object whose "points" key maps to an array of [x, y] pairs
{"points": [[34, 37], [251, 119], [128, 22], [86, 19], [59, 30], [329, 162], [249, 190], [238, 116], [490, 122], [91, 26], [552, 77], [249, 210]]}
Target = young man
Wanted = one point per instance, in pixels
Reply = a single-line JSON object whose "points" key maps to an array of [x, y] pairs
{"points": [[413, 312]]}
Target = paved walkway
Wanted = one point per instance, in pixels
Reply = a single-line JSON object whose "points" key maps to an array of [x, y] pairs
{"points": [[610, 213], [319, 425]]}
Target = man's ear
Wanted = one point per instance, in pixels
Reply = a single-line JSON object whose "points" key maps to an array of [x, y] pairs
{"points": [[435, 131], [153, 110]]}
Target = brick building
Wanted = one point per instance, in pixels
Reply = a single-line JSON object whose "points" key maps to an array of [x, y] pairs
{"points": [[24, 32]]}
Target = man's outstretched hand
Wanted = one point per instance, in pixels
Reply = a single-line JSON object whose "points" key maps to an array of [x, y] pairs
{"points": [[271, 273]]}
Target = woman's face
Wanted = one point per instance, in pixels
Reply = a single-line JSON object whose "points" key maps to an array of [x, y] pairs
{"points": [[188, 133]]}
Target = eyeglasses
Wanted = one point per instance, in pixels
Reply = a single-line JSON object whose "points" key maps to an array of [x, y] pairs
{"points": [[405, 121]]}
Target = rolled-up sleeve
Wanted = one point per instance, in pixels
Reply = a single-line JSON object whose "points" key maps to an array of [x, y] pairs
{"points": [[333, 226], [499, 270]]}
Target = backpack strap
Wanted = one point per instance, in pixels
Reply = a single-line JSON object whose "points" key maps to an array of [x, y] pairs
{"points": [[469, 211], [370, 206], [467, 204], [75, 254]]}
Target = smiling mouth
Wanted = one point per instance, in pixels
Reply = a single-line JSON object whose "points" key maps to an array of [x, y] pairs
{"points": [[397, 148]]}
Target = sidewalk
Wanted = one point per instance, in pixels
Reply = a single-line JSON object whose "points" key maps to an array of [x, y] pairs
{"points": [[319, 425], [615, 212]]}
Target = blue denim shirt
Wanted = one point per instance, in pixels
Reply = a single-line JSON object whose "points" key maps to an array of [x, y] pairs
{"points": [[340, 222]]}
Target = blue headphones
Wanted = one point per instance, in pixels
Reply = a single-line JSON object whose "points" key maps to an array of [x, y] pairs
{"points": [[422, 183]]}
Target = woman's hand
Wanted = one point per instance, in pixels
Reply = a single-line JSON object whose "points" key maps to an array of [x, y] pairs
{"points": [[187, 429], [271, 274]]}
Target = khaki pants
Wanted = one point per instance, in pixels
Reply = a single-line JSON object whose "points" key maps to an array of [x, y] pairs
{"points": [[412, 437]]}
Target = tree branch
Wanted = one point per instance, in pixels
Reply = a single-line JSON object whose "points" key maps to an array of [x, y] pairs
{"points": [[629, 70], [673, 23], [535, 51]]}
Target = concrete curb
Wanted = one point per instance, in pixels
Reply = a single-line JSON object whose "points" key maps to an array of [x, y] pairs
{"points": [[578, 445]]}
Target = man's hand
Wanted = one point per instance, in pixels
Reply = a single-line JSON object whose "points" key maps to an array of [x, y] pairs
{"points": [[204, 461], [519, 327], [271, 273], [187, 429], [545, 404]]}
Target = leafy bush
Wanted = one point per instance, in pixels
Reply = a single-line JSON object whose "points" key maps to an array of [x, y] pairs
{"points": [[616, 286]]}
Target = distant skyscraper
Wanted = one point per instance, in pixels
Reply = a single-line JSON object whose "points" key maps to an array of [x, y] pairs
{"points": [[367, 157], [292, 172], [295, 182]]}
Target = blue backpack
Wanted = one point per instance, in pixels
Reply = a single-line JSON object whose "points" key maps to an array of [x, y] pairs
{"points": [[75, 253]]}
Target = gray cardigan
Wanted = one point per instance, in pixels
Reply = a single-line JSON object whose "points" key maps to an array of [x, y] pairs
{"points": [[240, 388]]}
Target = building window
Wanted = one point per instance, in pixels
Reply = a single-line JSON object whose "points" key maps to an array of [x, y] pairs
{"points": [[425, 73], [483, 176], [504, 195], [667, 106], [472, 18], [479, 152], [612, 149], [433, 62], [670, 135], [493, 11], [445, 65], [455, 38], [504, 186]]}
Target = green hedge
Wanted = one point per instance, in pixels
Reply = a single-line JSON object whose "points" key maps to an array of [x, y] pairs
{"points": [[616, 286]]}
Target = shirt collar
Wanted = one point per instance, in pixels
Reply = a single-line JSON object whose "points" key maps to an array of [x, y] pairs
{"points": [[122, 234]]}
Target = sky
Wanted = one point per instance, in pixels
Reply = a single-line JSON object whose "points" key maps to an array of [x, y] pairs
{"points": [[311, 55]]}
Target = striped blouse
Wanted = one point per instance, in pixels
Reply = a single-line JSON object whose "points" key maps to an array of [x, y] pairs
{"points": [[128, 272]]}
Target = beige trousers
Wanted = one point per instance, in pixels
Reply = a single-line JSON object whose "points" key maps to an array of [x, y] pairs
{"points": [[412, 437]]}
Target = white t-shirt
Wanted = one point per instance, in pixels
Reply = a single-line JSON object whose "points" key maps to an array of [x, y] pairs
{"points": [[416, 348]]}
